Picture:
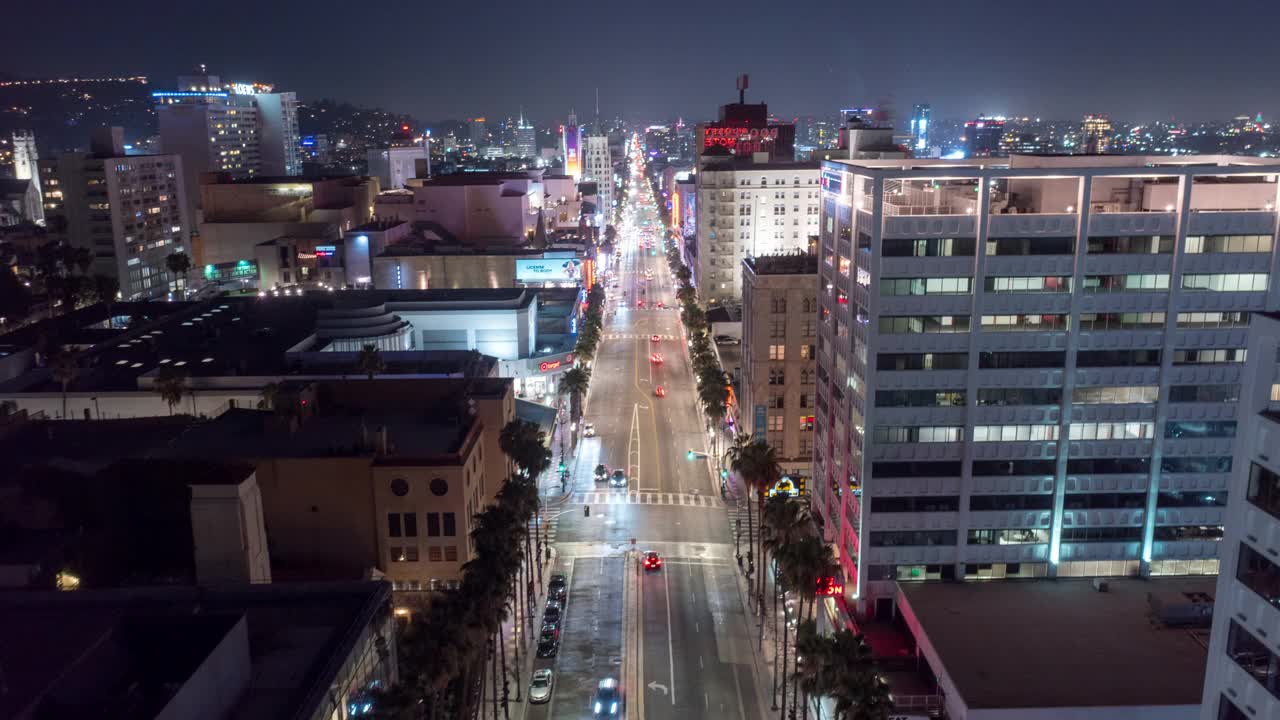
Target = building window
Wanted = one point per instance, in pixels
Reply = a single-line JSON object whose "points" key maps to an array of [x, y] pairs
{"points": [[450, 526], [402, 524], [909, 324], [1226, 282], [1010, 502], [1028, 323], [1014, 433], [1264, 490], [1197, 244], [1209, 357], [1213, 319], [806, 423], [435, 554], [1254, 657], [777, 352], [451, 553], [1018, 396], [1220, 464], [1115, 395], [1030, 284], [917, 434], [777, 376], [916, 503], [925, 286], [920, 398], [1122, 321], [1258, 573], [775, 423], [901, 538], [404, 553], [1105, 283], [777, 304], [1131, 245], [1009, 536], [1112, 431], [1102, 534], [433, 524], [1207, 429]]}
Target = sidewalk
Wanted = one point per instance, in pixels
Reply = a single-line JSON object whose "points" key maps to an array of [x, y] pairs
{"points": [[515, 634]]}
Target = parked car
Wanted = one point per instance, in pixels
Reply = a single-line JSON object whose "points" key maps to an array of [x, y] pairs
{"points": [[548, 645], [588, 430], [602, 473], [540, 687], [558, 583], [727, 340]]}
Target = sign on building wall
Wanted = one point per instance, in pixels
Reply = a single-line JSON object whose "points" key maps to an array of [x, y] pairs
{"points": [[761, 420], [554, 270]]}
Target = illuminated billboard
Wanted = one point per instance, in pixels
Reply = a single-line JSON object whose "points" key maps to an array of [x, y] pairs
{"points": [[549, 270], [571, 145]]}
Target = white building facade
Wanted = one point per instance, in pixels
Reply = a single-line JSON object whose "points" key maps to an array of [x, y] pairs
{"points": [[1031, 366], [748, 209], [1243, 678], [597, 167]]}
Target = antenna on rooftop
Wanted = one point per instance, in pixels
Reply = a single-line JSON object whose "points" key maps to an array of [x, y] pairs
{"points": [[743, 83]]}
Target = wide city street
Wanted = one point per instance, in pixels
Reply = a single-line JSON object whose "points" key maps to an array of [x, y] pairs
{"points": [[677, 638]]}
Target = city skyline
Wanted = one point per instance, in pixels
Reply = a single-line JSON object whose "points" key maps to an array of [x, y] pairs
{"points": [[1087, 63]]}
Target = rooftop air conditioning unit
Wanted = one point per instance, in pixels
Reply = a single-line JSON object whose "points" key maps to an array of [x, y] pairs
{"points": [[1101, 585], [1193, 609]]}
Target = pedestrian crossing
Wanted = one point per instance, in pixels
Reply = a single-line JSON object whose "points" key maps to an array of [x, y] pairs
{"points": [[647, 498], [738, 521], [548, 526], [636, 336]]}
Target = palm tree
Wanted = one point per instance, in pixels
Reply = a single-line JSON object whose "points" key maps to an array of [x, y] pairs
{"points": [[757, 464], [64, 371], [574, 383], [171, 384], [783, 522], [525, 444], [858, 691], [804, 559], [812, 661], [179, 264], [369, 361]]}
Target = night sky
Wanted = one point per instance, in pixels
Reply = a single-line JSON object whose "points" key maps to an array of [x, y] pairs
{"points": [[1138, 60]]}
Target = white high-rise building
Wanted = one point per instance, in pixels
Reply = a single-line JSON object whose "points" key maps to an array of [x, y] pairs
{"points": [[1031, 366], [241, 129], [130, 211], [597, 167], [748, 209], [26, 166], [1243, 677]]}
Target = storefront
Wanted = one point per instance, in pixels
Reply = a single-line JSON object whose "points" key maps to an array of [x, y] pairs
{"points": [[536, 378]]}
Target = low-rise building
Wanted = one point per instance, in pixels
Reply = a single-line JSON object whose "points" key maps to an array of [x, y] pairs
{"points": [[255, 652], [779, 333]]}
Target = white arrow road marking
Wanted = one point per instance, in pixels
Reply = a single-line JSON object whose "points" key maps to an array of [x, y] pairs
{"points": [[655, 685]]}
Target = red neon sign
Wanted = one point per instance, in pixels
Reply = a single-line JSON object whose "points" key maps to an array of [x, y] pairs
{"points": [[829, 587], [549, 365]]}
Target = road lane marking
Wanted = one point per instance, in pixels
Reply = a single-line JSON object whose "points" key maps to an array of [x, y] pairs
{"points": [[671, 653]]}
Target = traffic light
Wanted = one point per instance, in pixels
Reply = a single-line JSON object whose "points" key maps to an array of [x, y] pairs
{"points": [[562, 468], [689, 455], [724, 473]]}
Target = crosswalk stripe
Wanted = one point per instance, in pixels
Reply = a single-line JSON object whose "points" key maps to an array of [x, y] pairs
{"points": [[645, 498]]}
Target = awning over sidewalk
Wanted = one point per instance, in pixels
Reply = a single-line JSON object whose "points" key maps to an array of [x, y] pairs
{"points": [[544, 416]]}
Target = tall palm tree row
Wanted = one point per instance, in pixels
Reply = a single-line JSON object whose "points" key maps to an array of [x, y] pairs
{"points": [[171, 385], [369, 361], [839, 666]]}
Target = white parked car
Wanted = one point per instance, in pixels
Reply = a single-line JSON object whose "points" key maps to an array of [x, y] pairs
{"points": [[588, 430], [540, 687]]}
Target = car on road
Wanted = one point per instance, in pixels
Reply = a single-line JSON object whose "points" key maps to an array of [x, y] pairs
{"points": [[619, 479], [552, 627], [660, 306], [655, 339], [540, 686], [608, 699], [602, 473], [728, 340], [588, 429], [652, 561], [660, 391], [656, 358], [548, 645], [557, 585], [553, 612]]}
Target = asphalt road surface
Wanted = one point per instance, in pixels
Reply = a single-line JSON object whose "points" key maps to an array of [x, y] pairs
{"points": [[678, 639]]}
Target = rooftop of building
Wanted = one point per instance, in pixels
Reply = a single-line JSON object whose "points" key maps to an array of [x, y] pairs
{"points": [[1061, 643], [788, 264], [743, 163], [248, 336], [478, 178], [86, 446], [1145, 165], [251, 434], [378, 225], [112, 653], [216, 179]]}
